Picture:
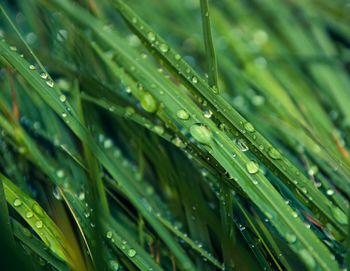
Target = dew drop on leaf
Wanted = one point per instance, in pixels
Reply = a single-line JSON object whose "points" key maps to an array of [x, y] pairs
{"points": [[249, 127], [131, 252], [290, 237], [164, 47], [114, 265], [182, 114], [50, 83], [43, 75], [148, 103], [201, 133], [273, 153], [17, 203], [194, 80], [252, 167], [39, 224], [29, 214], [151, 36], [63, 98], [109, 234]]}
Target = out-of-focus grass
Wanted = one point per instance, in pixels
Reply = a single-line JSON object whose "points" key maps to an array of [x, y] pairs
{"points": [[175, 135]]}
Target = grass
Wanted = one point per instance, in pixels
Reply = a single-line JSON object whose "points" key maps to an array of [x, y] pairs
{"points": [[174, 135]]}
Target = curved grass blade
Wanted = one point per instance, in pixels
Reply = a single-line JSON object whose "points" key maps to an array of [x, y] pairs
{"points": [[39, 248], [39, 221]]}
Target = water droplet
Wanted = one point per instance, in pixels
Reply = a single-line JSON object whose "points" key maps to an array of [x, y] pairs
{"points": [[313, 170], [242, 145], [194, 80], [182, 114], [249, 127], [39, 224], [63, 98], [13, 48], [207, 114], [330, 192], [252, 167], [50, 83], [60, 173], [44, 75], [178, 142], [159, 129], [81, 196], [108, 143], [114, 265], [307, 258], [131, 252], [64, 115], [109, 234], [56, 193], [29, 214], [177, 57], [17, 203], [148, 103], [151, 36], [290, 237], [201, 133], [32, 67], [164, 47], [273, 153]]}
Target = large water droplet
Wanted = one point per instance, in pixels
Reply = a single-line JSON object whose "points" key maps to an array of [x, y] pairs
{"points": [[109, 234], [201, 133], [158, 129], [60, 173], [164, 47], [148, 103], [242, 145], [249, 127], [39, 224], [63, 98], [182, 114], [151, 36], [131, 252], [44, 75], [32, 67], [330, 192], [50, 83], [207, 114], [17, 203], [29, 214], [114, 265], [252, 167], [194, 80], [273, 153]]}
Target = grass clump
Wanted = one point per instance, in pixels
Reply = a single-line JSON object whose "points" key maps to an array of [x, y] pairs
{"points": [[179, 135]]}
